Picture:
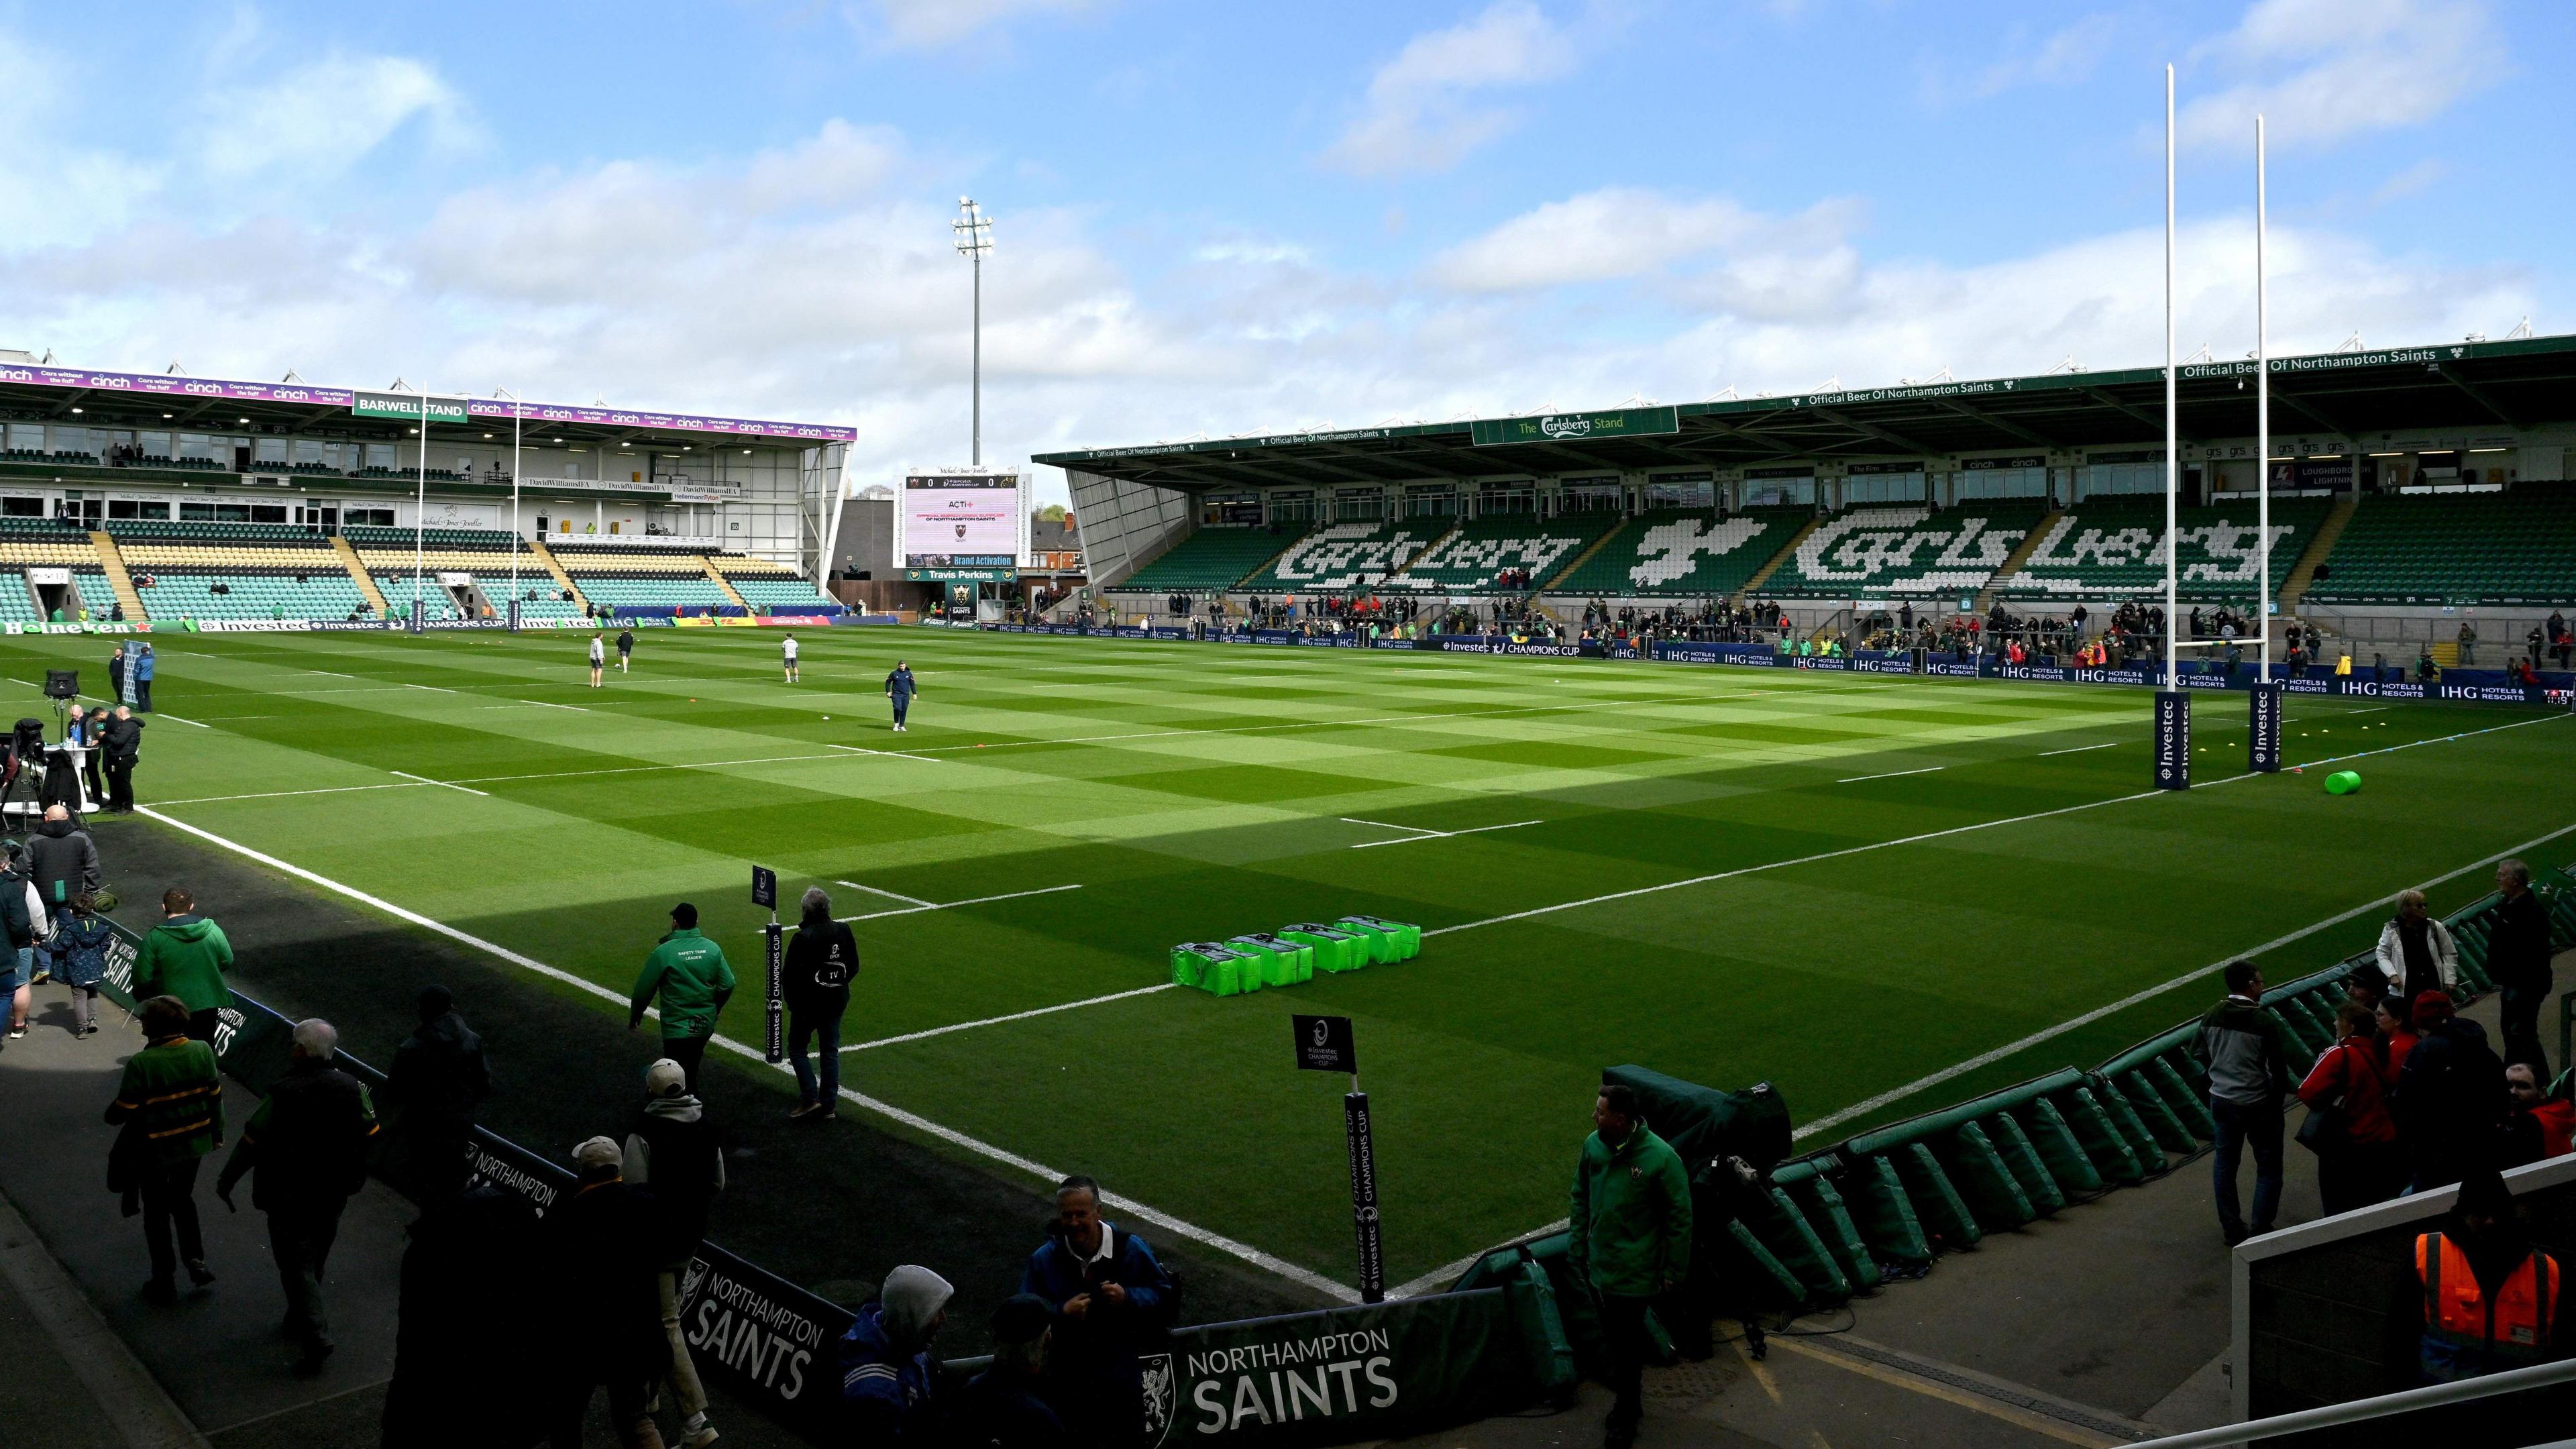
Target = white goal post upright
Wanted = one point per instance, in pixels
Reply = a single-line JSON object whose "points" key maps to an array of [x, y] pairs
{"points": [[2262, 417], [2172, 746]]}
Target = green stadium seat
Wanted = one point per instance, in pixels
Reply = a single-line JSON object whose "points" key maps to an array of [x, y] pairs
{"points": [[1339, 557], [1212, 558], [2111, 547], [1470, 559], [1908, 550], [2515, 547], [1685, 551]]}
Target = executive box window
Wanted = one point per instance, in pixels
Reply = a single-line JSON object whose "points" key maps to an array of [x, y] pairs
{"points": [[22, 507], [137, 508], [1883, 488]]}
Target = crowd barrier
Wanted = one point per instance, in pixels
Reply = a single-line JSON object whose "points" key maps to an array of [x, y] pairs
{"points": [[2460, 687], [1834, 1222]]}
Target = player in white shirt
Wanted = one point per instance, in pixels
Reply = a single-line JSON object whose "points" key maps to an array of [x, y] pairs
{"points": [[787, 656], [598, 657]]}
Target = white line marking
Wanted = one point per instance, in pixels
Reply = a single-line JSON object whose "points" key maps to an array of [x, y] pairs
{"points": [[1447, 1271], [1892, 774], [998, 1020], [274, 794], [890, 895], [156, 714], [1305, 1277], [1384, 825], [541, 704], [1444, 834], [889, 754], [1984, 1059], [952, 905], [424, 779], [432, 688], [2079, 749]]}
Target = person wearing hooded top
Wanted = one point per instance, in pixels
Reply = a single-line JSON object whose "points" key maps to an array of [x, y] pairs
{"points": [[186, 956], [885, 1361], [462, 1373], [822, 957], [80, 959], [62, 861], [1005, 1406], [603, 1245], [1110, 1296], [438, 1079], [2450, 1095], [672, 1148]]}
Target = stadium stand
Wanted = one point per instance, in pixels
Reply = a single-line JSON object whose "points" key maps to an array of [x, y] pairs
{"points": [[781, 596], [313, 594], [2516, 547], [2111, 547], [483, 540], [1212, 558], [18, 600], [1470, 559], [1871, 552], [96, 594], [648, 590], [139, 531], [1689, 551], [1342, 556]]}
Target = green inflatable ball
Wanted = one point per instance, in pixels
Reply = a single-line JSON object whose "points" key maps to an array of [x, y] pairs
{"points": [[2343, 782]]}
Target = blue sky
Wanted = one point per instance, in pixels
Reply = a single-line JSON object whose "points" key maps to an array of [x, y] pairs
{"points": [[1220, 218]]}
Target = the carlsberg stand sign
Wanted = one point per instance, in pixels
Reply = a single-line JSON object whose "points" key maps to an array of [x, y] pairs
{"points": [[1309, 1378]]}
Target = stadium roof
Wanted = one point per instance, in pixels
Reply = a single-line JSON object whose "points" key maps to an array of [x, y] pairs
{"points": [[2350, 395], [32, 391]]}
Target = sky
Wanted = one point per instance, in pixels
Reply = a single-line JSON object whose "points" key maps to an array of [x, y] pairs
{"points": [[1214, 219]]}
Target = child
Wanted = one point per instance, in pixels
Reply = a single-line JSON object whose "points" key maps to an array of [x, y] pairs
{"points": [[79, 950]]}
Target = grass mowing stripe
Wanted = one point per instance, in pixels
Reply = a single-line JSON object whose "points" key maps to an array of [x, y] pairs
{"points": [[442, 784], [952, 905], [1267, 1261], [1984, 1059], [1443, 834]]}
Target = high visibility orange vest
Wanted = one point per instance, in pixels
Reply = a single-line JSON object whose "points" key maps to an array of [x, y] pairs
{"points": [[2514, 1328]]}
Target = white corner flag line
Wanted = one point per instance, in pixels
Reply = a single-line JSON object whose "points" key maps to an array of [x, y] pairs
{"points": [[1304, 1277]]}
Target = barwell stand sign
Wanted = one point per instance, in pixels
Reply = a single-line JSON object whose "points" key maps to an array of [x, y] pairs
{"points": [[1324, 1044], [764, 893]]}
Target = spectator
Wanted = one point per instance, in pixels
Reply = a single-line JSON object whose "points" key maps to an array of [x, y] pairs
{"points": [[1629, 1242], [307, 1144], [124, 742], [2363, 984], [1005, 1406], [2468, 644], [142, 672], [2396, 1036], [169, 1108], [463, 1373], [822, 958], [602, 1245], [116, 675], [694, 981], [79, 954], [1110, 1296], [2537, 1124], [93, 739], [2357, 1159], [23, 924], [2246, 1053], [885, 1361], [2518, 958], [62, 862], [439, 1079], [186, 956], [2416, 952], [2490, 1298], [672, 1151], [2449, 1097]]}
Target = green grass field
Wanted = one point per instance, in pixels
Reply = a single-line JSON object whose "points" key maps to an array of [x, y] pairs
{"points": [[1836, 883]]}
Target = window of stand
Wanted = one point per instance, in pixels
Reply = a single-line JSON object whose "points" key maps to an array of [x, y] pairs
{"points": [[1518, 495], [138, 508], [1592, 495], [1292, 507], [22, 507], [2022, 480], [1682, 490], [1883, 488], [2100, 478], [1359, 505], [1431, 503]]}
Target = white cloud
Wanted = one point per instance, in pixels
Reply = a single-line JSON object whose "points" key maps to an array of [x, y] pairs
{"points": [[2321, 71], [1624, 232], [58, 187], [927, 24], [1429, 107], [323, 117], [2062, 58]]}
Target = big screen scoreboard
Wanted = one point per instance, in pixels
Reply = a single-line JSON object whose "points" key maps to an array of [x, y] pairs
{"points": [[961, 519]]}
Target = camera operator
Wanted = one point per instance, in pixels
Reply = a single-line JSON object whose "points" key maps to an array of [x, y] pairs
{"points": [[1110, 1296]]}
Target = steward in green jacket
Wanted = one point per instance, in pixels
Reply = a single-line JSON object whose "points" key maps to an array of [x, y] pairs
{"points": [[186, 956], [694, 980], [1631, 1228]]}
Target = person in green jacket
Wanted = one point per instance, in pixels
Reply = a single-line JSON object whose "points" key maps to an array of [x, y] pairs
{"points": [[170, 1109], [694, 980], [186, 956], [1629, 1240]]}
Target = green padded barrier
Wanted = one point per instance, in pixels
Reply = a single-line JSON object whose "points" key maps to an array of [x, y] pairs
{"points": [[1289, 965], [2012, 1147], [1547, 1353], [2068, 1164], [1987, 1185], [2187, 1104], [1381, 944], [1407, 939], [1937, 1204], [1831, 1218], [2562, 918], [2148, 1050], [2148, 1100], [1932, 1125], [1335, 950], [1883, 1212], [2108, 1150], [2133, 1129], [1225, 976], [1785, 1289], [1192, 960], [1798, 1247], [1703, 1122], [2306, 1032]]}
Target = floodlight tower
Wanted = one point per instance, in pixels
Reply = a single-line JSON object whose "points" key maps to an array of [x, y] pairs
{"points": [[974, 235]]}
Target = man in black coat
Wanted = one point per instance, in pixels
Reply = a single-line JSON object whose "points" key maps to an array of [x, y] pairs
{"points": [[2450, 1096], [463, 1373], [124, 743], [307, 1144], [672, 1148], [2518, 959], [603, 1245], [438, 1080], [62, 861]]}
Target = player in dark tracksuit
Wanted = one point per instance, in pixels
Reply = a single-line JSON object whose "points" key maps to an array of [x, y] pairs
{"points": [[625, 648], [901, 687]]}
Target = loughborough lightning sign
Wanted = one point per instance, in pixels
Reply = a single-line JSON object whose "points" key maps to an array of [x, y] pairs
{"points": [[960, 519]]}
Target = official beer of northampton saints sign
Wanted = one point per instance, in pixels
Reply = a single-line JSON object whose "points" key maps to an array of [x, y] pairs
{"points": [[1574, 427], [407, 405]]}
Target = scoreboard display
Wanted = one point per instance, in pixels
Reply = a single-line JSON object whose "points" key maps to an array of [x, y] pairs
{"points": [[961, 520]]}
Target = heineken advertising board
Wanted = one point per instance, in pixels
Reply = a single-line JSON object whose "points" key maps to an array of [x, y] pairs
{"points": [[408, 405], [1575, 427]]}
